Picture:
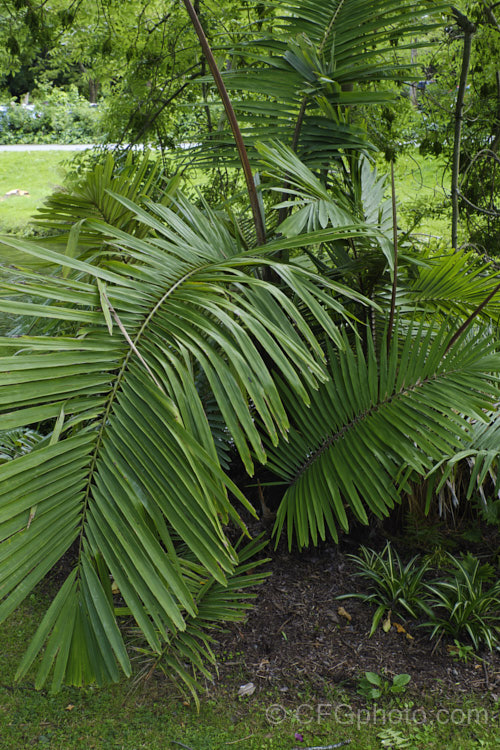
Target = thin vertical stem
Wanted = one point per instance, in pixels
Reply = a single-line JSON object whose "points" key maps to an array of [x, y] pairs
{"points": [[284, 212], [395, 270], [247, 170], [471, 317], [468, 29]]}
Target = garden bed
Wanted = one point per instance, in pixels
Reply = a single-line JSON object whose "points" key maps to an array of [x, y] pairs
{"points": [[295, 633]]}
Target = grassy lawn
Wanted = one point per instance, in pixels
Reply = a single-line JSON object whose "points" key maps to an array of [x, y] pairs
{"points": [[419, 188], [153, 716], [38, 172], [422, 193]]}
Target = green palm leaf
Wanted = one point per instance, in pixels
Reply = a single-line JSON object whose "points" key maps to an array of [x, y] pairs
{"points": [[130, 478], [473, 465], [376, 417], [363, 222], [65, 211], [322, 58], [445, 285], [215, 602], [17, 442]]}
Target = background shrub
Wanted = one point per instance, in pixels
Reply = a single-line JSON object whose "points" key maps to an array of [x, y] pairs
{"points": [[56, 116]]}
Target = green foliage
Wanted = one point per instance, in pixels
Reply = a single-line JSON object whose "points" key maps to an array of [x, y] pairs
{"points": [[322, 62], [156, 717], [391, 126], [462, 652], [166, 294], [17, 442], [471, 472], [480, 139], [190, 651], [374, 686], [459, 603], [168, 341], [394, 409], [489, 511], [395, 739], [91, 196], [138, 59], [464, 603], [57, 116], [393, 586]]}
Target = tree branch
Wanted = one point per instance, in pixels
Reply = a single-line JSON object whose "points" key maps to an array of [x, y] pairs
{"points": [[469, 29]]}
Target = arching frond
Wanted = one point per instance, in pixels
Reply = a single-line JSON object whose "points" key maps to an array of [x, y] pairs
{"points": [[376, 417], [130, 478]]}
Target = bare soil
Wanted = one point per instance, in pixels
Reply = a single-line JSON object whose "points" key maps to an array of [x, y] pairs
{"points": [[295, 634]]}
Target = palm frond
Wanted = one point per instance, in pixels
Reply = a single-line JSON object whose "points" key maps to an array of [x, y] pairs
{"points": [[17, 442], [473, 465], [131, 475], [189, 653], [323, 59], [377, 417], [453, 284], [365, 217]]}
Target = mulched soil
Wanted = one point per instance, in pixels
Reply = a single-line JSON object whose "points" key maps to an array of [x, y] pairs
{"points": [[294, 634]]}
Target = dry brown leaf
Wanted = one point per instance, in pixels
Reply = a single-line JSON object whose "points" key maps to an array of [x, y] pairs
{"points": [[69, 707], [399, 627], [344, 613]]}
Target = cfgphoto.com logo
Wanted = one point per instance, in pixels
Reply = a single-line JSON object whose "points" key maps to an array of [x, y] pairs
{"points": [[346, 715]]}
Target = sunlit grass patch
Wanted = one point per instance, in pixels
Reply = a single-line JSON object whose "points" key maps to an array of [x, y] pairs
{"points": [[36, 172]]}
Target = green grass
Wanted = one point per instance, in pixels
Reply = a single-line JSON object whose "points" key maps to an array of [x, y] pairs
{"points": [[422, 190], [423, 196], [422, 193], [421, 185], [153, 716], [38, 172]]}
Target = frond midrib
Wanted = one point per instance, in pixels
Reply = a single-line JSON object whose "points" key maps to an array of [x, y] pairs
{"points": [[114, 391]]}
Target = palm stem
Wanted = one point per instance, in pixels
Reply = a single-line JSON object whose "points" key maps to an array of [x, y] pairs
{"points": [[231, 116], [471, 317], [469, 30]]}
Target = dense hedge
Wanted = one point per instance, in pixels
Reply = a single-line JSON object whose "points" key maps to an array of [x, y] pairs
{"points": [[58, 117]]}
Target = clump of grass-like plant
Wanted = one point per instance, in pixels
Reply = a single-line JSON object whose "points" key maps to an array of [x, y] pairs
{"points": [[465, 602], [394, 586]]}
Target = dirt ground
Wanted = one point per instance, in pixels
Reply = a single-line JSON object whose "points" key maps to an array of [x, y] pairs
{"points": [[296, 634]]}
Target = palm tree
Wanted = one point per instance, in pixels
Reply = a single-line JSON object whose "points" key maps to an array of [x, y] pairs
{"points": [[128, 479], [167, 350]]}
